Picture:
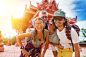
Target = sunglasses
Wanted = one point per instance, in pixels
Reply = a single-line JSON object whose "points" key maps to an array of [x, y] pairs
{"points": [[41, 24], [44, 17], [49, 24], [60, 19]]}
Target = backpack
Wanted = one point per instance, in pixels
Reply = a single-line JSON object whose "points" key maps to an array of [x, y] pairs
{"points": [[68, 31]]}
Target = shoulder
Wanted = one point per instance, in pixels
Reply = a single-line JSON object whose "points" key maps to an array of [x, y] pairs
{"points": [[73, 30], [46, 30]]}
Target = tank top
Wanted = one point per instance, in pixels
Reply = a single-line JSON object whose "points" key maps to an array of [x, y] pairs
{"points": [[38, 42], [54, 38]]}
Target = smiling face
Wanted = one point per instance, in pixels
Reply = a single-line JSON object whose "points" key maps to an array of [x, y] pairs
{"points": [[44, 17], [50, 26], [59, 21], [39, 25]]}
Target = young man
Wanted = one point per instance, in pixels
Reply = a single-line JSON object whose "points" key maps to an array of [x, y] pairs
{"points": [[60, 23]]}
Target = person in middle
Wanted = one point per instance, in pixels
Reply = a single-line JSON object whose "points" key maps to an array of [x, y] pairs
{"points": [[53, 39]]}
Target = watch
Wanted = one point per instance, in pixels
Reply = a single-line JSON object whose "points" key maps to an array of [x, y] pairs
{"points": [[22, 47]]}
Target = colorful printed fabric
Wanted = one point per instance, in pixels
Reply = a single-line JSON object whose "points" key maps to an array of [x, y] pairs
{"points": [[32, 50]]}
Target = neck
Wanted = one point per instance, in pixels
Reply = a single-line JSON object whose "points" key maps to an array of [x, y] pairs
{"points": [[39, 32], [61, 28]]}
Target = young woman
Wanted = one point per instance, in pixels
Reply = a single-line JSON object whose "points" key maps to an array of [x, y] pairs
{"points": [[53, 39], [38, 38]]}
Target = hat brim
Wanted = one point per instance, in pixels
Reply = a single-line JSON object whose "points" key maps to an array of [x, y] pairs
{"points": [[59, 15]]}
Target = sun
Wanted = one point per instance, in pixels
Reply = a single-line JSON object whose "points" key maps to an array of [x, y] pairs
{"points": [[10, 8]]}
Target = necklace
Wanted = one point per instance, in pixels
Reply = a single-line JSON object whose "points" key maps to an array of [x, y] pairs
{"points": [[51, 32], [40, 37]]}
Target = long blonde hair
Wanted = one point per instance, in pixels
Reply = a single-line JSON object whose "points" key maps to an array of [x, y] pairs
{"points": [[35, 31]]}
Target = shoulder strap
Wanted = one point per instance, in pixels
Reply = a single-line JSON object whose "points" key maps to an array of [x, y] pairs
{"points": [[68, 34], [76, 27], [68, 31]]}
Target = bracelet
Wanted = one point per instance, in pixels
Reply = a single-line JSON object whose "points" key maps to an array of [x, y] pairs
{"points": [[22, 47]]}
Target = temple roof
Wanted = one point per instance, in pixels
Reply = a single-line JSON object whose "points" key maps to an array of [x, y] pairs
{"points": [[50, 7]]}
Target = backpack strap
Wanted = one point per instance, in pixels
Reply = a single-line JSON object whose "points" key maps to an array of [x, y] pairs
{"points": [[77, 29], [68, 34], [68, 31]]}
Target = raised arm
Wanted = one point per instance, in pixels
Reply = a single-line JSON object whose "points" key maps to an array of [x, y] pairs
{"points": [[22, 36], [19, 41]]}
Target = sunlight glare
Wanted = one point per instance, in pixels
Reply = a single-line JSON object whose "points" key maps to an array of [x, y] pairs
{"points": [[9, 8]]}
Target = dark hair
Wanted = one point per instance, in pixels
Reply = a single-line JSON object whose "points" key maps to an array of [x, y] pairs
{"points": [[66, 22]]}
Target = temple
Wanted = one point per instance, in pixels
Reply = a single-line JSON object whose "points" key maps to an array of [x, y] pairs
{"points": [[30, 13]]}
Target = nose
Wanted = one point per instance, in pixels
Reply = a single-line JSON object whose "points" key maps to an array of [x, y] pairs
{"points": [[57, 20], [44, 18], [39, 26]]}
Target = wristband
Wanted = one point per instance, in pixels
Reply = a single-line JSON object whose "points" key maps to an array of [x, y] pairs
{"points": [[22, 47]]}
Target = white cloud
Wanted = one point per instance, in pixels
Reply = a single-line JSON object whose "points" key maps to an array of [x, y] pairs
{"points": [[67, 6], [81, 24]]}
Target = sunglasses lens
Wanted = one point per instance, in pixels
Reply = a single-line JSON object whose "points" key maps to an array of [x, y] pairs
{"points": [[50, 24], [60, 19], [41, 24], [36, 25], [44, 17]]}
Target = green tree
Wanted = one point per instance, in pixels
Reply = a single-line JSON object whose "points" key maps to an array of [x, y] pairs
{"points": [[13, 40], [83, 32], [5, 40]]}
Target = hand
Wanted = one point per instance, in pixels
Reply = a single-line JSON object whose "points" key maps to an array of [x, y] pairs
{"points": [[29, 30], [61, 46], [25, 53], [70, 44]]}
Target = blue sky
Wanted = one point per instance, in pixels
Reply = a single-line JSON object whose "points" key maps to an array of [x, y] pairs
{"points": [[80, 9]]}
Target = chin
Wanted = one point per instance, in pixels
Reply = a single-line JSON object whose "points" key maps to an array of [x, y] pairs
{"points": [[39, 30]]}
